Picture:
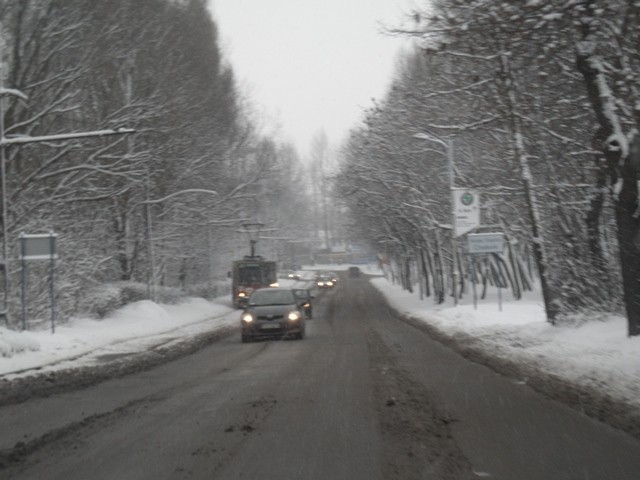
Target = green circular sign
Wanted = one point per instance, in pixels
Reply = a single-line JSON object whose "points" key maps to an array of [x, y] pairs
{"points": [[466, 199]]}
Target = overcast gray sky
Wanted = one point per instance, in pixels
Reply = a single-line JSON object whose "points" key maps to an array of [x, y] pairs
{"points": [[311, 64]]}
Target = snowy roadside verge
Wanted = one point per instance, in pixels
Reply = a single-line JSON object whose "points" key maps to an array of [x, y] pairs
{"points": [[85, 351], [590, 365], [135, 337]]}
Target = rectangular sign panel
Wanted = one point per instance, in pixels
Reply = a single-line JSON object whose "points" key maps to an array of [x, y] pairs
{"points": [[486, 242], [38, 247], [466, 209]]}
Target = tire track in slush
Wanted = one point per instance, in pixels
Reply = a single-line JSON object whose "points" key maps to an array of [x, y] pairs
{"points": [[417, 438]]}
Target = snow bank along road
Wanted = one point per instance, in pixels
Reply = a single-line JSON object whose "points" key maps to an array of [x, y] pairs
{"points": [[364, 396]]}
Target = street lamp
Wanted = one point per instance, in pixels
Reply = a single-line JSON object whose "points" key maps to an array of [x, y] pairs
{"points": [[448, 146], [147, 203]]}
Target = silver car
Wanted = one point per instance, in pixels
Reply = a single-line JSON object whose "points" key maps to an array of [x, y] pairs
{"points": [[273, 312]]}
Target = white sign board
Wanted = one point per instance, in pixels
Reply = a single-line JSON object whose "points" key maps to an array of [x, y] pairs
{"points": [[485, 242], [466, 209]]}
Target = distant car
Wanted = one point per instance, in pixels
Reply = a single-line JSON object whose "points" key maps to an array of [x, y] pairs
{"points": [[324, 282], [273, 312], [304, 294], [354, 272], [290, 274], [333, 276]]}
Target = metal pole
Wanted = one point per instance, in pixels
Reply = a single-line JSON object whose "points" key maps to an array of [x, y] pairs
{"points": [[24, 292], [151, 293], [209, 254], [454, 247], [473, 280], [5, 230], [52, 240], [24, 281]]}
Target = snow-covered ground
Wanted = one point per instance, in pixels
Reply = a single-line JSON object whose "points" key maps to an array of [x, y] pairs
{"points": [[133, 328], [595, 352], [590, 351]]}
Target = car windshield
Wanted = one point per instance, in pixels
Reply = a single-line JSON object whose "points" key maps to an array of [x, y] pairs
{"points": [[302, 293], [249, 274], [272, 297]]}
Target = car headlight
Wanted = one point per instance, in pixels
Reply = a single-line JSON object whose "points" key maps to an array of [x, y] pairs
{"points": [[274, 284], [247, 318], [330, 284], [294, 316], [320, 284]]}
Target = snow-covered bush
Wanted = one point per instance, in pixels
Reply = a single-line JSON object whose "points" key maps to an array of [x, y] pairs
{"points": [[132, 292], [101, 300], [12, 342], [168, 295], [210, 291], [106, 298]]}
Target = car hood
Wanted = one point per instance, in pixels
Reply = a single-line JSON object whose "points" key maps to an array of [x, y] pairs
{"points": [[263, 311]]}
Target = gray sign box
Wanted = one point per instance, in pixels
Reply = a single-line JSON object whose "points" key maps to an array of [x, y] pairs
{"points": [[38, 247], [485, 242]]}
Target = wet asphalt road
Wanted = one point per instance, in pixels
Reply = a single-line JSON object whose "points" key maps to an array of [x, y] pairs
{"points": [[364, 396]]}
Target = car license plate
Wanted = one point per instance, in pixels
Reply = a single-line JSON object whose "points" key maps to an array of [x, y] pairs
{"points": [[269, 326]]}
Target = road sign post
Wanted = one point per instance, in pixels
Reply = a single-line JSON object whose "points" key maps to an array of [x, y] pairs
{"points": [[480, 243], [485, 242], [466, 210], [38, 247]]}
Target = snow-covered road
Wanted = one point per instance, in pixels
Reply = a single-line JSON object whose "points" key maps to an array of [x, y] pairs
{"points": [[594, 353]]}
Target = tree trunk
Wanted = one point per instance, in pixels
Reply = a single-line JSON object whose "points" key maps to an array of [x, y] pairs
{"points": [[407, 274], [425, 272], [596, 205], [462, 283], [121, 233], [550, 304], [485, 278], [440, 272], [517, 292], [628, 221], [419, 272], [622, 161]]}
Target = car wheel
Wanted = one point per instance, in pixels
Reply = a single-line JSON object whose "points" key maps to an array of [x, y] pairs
{"points": [[246, 339]]}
